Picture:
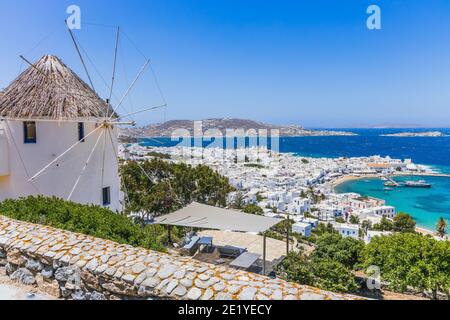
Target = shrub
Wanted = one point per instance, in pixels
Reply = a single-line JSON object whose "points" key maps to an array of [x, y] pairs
{"points": [[253, 209], [322, 273], [411, 260], [86, 219], [347, 251]]}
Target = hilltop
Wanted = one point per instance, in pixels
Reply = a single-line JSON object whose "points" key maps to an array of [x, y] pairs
{"points": [[167, 128]]}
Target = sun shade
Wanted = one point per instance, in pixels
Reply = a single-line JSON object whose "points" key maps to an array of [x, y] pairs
{"points": [[198, 215]]}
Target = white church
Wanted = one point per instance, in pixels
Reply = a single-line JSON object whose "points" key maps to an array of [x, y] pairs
{"points": [[58, 138]]}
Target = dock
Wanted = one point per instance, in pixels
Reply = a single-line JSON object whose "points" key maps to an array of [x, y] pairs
{"points": [[395, 183]]}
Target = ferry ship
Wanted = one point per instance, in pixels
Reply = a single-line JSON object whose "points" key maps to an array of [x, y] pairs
{"points": [[417, 184]]}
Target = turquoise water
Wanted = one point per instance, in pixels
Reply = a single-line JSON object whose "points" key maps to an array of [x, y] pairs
{"points": [[425, 205]]}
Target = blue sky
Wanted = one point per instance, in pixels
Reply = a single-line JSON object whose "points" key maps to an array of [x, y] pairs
{"points": [[310, 62]]}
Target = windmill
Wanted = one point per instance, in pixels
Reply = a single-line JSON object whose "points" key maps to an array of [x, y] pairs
{"points": [[58, 137]]}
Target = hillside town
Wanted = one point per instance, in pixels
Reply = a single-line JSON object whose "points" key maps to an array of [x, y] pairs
{"points": [[299, 188]]}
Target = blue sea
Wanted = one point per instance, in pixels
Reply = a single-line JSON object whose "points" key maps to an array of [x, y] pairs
{"points": [[425, 205]]}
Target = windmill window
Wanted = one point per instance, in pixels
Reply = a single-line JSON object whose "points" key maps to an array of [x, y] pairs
{"points": [[106, 196], [29, 132], [81, 132]]}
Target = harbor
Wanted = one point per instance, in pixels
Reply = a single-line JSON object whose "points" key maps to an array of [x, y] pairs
{"points": [[284, 184]]}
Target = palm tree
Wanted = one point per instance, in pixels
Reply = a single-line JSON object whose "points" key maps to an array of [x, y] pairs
{"points": [[441, 227]]}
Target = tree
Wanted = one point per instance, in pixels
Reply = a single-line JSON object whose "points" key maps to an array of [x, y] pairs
{"points": [[333, 246], [156, 187], [253, 209], [324, 228], [366, 225], [332, 275], [441, 227], [322, 273], [411, 260], [354, 219], [340, 220], [404, 223], [238, 202], [384, 225], [296, 268]]}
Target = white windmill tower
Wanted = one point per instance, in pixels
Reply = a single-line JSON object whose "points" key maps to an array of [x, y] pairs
{"points": [[58, 137]]}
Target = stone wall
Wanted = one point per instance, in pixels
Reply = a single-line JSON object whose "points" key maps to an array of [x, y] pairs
{"points": [[76, 266]]}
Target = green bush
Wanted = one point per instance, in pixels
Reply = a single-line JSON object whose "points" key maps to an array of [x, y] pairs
{"points": [[333, 246], [157, 187], [86, 219], [411, 260], [322, 273], [253, 209]]}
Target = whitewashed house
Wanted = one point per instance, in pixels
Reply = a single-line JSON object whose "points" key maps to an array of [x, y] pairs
{"points": [[300, 205], [372, 234], [347, 230], [55, 138], [313, 222], [302, 228]]}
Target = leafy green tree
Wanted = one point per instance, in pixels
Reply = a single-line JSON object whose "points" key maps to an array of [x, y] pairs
{"points": [[366, 225], [158, 187], [296, 268], [324, 228], [333, 246], [332, 275], [253, 209], [441, 227], [354, 219], [322, 273], [340, 220], [384, 225], [259, 197], [238, 202], [404, 223], [411, 260]]}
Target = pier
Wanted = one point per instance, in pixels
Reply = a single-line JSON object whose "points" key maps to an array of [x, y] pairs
{"points": [[395, 183]]}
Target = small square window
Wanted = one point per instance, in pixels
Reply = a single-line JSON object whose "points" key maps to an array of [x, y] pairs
{"points": [[81, 132], [29, 132], [106, 196]]}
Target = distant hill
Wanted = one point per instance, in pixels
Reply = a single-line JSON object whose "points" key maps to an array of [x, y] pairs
{"points": [[167, 128]]}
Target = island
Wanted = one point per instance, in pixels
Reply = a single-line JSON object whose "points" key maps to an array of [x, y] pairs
{"points": [[415, 134], [166, 129]]}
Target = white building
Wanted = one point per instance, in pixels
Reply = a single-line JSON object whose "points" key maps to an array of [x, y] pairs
{"points": [[302, 228], [300, 205], [382, 211], [372, 234], [347, 230], [55, 139]]}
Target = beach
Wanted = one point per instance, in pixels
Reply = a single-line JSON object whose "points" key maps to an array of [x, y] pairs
{"points": [[422, 204]]}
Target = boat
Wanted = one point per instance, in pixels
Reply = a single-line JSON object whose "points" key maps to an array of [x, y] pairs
{"points": [[387, 189], [418, 184], [390, 184]]}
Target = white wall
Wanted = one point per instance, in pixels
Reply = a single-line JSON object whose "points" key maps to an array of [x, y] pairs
{"points": [[58, 180]]}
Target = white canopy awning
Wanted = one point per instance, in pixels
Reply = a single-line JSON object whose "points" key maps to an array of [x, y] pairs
{"points": [[198, 215]]}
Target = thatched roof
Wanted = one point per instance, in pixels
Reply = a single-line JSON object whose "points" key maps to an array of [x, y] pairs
{"points": [[50, 90]]}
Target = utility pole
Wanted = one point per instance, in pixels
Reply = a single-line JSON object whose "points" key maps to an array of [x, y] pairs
{"points": [[287, 235]]}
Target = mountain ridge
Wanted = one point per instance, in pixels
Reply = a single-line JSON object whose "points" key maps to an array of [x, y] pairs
{"points": [[166, 129]]}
